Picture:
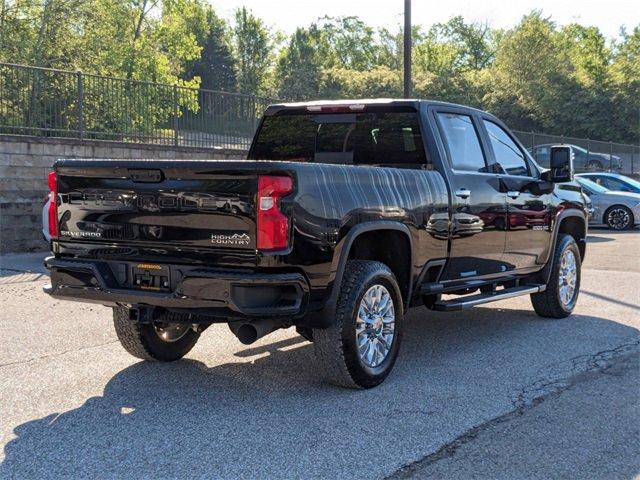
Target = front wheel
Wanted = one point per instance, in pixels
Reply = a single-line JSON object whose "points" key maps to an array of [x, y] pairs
{"points": [[360, 348], [560, 297], [166, 339]]}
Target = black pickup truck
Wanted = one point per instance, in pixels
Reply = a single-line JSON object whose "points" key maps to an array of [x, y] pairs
{"points": [[343, 216]]}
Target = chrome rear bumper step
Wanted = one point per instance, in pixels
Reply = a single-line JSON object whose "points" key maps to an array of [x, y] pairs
{"points": [[465, 303]]}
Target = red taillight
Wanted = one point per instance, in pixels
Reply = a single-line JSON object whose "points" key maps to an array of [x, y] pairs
{"points": [[272, 224], [53, 204]]}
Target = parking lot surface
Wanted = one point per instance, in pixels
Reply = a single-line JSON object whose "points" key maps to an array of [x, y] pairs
{"points": [[555, 439], [73, 403]]}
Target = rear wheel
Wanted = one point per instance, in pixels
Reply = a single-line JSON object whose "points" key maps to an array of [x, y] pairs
{"points": [[361, 347], [165, 339], [618, 217], [560, 297]]}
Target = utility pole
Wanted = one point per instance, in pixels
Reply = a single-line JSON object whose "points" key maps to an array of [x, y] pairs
{"points": [[407, 49]]}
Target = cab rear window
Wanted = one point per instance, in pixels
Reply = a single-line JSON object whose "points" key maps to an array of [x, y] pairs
{"points": [[375, 138]]}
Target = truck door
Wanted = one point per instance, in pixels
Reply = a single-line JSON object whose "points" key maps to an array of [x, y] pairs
{"points": [[528, 214], [478, 213]]}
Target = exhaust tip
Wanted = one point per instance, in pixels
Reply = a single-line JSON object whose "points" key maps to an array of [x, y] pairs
{"points": [[247, 333]]}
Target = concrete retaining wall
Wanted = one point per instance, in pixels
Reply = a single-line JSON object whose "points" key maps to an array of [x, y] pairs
{"points": [[26, 161]]}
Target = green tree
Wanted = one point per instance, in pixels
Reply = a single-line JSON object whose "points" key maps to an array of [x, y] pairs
{"points": [[587, 50], [435, 55], [216, 66], [345, 83], [625, 77], [252, 50], [298, 70], [389, 46], [472, 41], [588, 67], [345, 42], [530, 86]]}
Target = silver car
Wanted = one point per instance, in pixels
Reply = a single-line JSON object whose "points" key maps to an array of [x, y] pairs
{"points": [[616, 210]]}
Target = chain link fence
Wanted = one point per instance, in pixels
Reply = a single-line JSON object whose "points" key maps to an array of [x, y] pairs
{"points": [[57, 103]]}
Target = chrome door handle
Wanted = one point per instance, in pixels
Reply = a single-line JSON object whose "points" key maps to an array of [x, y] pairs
{"points": [[463, 193], [513, 194]]}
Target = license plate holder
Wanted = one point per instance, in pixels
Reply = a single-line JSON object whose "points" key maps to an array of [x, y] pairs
{"points": [[151, 276]]}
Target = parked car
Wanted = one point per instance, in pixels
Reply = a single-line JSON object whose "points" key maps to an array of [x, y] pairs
{"points": [[616, 210], [613, 181], [584, 160], [348, 214]]}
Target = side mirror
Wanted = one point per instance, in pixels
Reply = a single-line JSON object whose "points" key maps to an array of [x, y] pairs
{"points": [[560, 164]]}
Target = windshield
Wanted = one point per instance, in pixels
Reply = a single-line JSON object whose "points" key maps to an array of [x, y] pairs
{"points": [[377, 138], [592, 187], [580, 149]]}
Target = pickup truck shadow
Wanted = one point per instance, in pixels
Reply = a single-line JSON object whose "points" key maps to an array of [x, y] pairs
{"points": [[609, 231], [272, 415], [597, 239]]}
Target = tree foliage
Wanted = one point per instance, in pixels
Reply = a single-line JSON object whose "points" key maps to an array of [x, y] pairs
{"points": [[253, 51], [299, 67], [536, 76]]}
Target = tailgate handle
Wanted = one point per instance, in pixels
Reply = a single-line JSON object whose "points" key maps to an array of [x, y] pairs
{"points": [[145, 175]]}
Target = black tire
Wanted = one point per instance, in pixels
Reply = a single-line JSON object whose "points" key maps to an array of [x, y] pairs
{"points": [[336, 347], [549, 303], [616, 222], [143, 341]]}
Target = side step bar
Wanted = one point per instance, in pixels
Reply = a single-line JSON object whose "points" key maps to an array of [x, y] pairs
{"points": [[465, 303]]}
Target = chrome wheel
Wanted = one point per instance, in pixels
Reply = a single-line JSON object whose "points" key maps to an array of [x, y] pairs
{"points": [[375, 326], [618, 218], [171, 332], [568, 277]]}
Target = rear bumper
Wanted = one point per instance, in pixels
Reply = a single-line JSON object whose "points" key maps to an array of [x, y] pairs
{"points": [[226, 294]]}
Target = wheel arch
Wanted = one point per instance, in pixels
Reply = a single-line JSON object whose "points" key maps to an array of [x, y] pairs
{"points": [[355, 245], [574, 224]]}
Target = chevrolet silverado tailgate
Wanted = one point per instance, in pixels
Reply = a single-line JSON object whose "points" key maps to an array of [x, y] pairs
{"points": [[176, 204]]}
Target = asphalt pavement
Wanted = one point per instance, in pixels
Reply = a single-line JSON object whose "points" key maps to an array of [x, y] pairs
{"points": [[589, 429], [74, 403]]}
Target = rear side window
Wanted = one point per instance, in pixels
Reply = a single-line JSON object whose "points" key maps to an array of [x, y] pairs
{"points": [[510, 157], [290, 137], [376, 138], [612, 183], [462, 142]]}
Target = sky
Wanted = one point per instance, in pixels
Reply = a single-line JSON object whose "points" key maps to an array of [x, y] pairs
{"points": [[287, 15]]}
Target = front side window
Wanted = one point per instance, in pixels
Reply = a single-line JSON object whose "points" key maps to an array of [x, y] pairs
{"points": [[510, 157], [372, 138], [462, 142]]}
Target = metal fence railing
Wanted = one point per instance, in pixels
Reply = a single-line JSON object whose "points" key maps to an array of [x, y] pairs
{"points": [[590, 155], [58, 103]]}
